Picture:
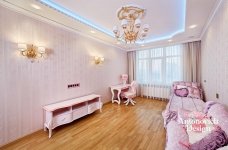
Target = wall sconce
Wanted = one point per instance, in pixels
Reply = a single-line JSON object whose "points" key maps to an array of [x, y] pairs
{"points": [[31, 52], [98, 60]]}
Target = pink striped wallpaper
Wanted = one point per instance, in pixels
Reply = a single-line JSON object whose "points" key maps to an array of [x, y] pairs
{"points": [[215, 56], [25, 87]]}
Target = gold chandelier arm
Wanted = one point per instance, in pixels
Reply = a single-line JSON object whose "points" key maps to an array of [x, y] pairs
{"points": [[131, 16], [24, 53]]}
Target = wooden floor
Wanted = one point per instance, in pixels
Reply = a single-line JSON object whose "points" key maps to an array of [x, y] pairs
{"points": [[118, 127]]}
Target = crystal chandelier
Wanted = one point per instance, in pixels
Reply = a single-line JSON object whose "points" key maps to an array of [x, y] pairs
{"points": [[130, 17]]}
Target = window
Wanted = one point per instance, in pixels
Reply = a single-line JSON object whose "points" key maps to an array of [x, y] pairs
{"points": [[159, 66]]}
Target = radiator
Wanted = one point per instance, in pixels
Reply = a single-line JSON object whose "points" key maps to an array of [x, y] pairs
{"points": [[155, 91]]}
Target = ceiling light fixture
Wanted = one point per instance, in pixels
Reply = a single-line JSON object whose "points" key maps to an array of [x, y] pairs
{"points": [[170, 40], [35, 6], [92, 31], [192, 26], [130, 16]]}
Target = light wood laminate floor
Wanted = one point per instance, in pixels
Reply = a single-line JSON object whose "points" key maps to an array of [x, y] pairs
{"points": [[118, 127]]}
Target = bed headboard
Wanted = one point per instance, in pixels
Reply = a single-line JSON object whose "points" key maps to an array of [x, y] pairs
{"points": [[189, 84]]}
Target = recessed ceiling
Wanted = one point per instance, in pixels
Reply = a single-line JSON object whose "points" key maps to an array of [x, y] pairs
{"points": [[170, 21]]}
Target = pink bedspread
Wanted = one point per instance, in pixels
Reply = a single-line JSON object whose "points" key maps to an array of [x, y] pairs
{"points": [[175, 102], [187, 103]]}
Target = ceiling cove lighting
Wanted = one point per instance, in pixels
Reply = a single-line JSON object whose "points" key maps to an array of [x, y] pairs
{"points": [[181, 27], [170, 35], [74, 16], [130, 17], [92, 31], [35, 6], [192, 26], [170, 40]]}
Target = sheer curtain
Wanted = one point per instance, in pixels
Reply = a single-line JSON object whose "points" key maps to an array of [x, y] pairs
{"points": [[157, 69]]}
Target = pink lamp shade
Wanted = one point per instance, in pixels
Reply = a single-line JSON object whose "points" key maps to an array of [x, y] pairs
{"points": [[124, 78]]}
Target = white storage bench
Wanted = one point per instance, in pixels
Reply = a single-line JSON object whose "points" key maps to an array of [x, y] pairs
{"points": [[67, 111]]}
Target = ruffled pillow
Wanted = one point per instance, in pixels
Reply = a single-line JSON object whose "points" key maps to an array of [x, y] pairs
{"points": [[208, 105], [194, 93], [214, 140], [181, 92], [195, 85]]}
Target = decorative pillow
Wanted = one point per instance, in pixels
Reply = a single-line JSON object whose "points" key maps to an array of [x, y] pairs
{"points": [[169, 116], [194, 93], [195, 85], [208, 105], [188, 83], [214, 140], [182, 83], [181, 92]]}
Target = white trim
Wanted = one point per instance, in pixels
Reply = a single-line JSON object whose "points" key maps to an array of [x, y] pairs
{"points": [[211, 16], [38, 17], [164, 45], [123, 48]]}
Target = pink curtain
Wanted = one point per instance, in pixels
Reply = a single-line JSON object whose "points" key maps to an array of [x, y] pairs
{"points": [[192, 61], [131, 57]]}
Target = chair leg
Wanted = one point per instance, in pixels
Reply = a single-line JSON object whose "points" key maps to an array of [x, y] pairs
{"points": [[132, 102], [127, 101]]}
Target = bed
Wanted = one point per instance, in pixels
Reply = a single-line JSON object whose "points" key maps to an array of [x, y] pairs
{"points": [[192, 103], [178, 137]]}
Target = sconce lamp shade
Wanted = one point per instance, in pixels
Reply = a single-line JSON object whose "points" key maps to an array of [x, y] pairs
{"points": [[102, 59], [22, 47], [124, 23], [96, 58], [146, 28], [115, 29], [41, 49], [137, 23]]}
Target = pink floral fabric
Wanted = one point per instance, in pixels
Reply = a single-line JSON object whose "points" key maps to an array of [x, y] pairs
{"points": [[193, 88], [219, 112], [176, 137], [194, 92], [181, 92]]}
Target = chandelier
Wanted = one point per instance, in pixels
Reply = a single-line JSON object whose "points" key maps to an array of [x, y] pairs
{"points": [[130, 17]]}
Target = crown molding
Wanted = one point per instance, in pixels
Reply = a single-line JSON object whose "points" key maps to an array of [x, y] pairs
{"points": [[211, 17], [165, 45], [44, 19]]}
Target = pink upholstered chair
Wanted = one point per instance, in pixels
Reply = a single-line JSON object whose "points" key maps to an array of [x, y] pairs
{"points": [[130, 94]]}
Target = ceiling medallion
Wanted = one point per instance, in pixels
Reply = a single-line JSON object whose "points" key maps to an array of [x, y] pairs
{"points": [[130, 17]]}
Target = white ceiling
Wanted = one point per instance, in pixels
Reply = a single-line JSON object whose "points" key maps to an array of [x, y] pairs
{"points": [[167, 19]]}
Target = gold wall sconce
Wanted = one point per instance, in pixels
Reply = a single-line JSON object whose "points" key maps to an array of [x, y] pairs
{"points": [[98, 60], [31, 52]]}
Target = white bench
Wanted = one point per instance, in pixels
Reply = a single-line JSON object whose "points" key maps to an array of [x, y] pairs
{"points": [[67, 111]]}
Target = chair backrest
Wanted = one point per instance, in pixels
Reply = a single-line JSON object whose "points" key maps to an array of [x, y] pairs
{"points": [[124, 78], [133, 86]]}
